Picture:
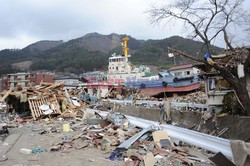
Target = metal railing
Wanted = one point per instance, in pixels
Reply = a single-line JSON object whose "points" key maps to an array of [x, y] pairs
{"points": [[205, 141]]}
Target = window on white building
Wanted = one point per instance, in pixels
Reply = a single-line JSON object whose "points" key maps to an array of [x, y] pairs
{"points": [[178, 73], [187, 72]]}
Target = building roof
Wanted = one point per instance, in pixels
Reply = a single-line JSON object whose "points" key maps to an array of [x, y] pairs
{"points": [[14, 74], [179, 67], [66, 78]]}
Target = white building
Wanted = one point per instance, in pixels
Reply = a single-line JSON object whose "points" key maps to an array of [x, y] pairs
{"points": [[184, 70]]}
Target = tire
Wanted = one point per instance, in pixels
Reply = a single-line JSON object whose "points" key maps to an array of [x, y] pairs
{"points": [[164, 83], [142, 85]]}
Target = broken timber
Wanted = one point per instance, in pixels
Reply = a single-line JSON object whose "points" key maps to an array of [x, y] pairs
{"points": [[5, 96], [36, 102], [205, 141]]}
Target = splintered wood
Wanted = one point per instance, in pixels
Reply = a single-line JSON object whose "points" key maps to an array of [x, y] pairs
{"points": [[5, 96], [35, 103], [44, 99]]}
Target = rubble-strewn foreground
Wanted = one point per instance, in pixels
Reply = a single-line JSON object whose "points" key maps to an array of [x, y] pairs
{"points": [[60, 129]]}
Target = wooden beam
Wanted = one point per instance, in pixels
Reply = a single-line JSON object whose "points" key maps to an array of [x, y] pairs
{"points": [[55, 85], [5, 96]]}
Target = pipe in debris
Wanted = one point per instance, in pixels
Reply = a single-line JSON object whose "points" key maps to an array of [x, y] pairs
{"points": [[205, 141]]}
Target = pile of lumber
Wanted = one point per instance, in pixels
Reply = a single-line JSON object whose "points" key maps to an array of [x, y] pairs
{"points": [[48, 99]]}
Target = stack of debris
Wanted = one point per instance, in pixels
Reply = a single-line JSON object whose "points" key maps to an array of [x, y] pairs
{"points": [[114, 135], [46, 99], [196, 97]]}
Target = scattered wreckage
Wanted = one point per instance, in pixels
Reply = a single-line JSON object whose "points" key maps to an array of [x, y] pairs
{"points": [[134, 140]]}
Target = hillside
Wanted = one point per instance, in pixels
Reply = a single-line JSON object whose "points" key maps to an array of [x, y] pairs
{"points": [[43, 45], [91, 52], [102, 43], [155, 52]]}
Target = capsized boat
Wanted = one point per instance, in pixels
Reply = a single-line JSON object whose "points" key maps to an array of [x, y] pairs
{"points": [[166, 83]]}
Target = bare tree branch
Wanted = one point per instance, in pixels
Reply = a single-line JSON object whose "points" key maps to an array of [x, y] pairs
{"points": [[227, 40], [207, 18]]}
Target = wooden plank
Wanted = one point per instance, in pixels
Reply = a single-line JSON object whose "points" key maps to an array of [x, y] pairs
{"points": [[53, 101], [56, 105], [35, 109], [43, 100], [5, 95], [41, 82], [39, 103], [55, 85], [31, 108]]}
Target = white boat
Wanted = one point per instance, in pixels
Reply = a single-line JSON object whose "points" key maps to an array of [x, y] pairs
{"points": [[121, 68]]}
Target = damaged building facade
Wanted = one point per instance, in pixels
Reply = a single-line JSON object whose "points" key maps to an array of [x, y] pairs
{"points": [[11, 81]]}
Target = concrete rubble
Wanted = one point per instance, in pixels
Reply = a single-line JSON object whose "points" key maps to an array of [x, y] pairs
{"points": [[49, 120]]}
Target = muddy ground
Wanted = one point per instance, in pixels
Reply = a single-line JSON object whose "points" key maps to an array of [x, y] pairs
{"points": [[238, 126]]}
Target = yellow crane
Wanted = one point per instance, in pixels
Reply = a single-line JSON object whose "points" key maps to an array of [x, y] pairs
{"points": [[125, 46]]}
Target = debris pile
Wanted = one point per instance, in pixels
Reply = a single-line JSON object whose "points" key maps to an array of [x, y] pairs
{"points": [[46, 99], [111, 134], [196, 97], [122, 141]]}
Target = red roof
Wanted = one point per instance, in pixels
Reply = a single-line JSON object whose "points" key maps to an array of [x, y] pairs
{"points": [[181, 67], [157, 91]]}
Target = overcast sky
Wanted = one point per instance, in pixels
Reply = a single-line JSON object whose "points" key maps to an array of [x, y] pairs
{"points": [[26, 21]]}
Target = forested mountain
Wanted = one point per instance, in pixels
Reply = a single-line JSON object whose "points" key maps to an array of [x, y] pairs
{"points": [[91, 52], [43, 45]]}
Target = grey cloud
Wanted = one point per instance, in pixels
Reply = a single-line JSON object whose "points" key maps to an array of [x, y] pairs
{"points": [[22, 18], [66, 19]]}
